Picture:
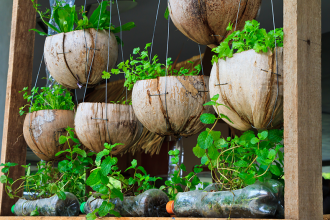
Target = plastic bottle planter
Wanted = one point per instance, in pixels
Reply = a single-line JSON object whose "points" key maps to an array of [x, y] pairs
{"points": [[151, 203], [260, 200], [52, 206], [205, 22], [42, 130], [247, 84], [180, 114], [93, 130], [69, 61]]}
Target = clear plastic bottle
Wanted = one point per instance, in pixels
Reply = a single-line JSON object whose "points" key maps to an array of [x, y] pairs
{"points": [[151, 203], [259, 200], [52, 206]]}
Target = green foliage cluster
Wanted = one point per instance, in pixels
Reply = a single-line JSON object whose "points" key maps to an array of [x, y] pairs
{"points": [[48, 180], [238, 162], [142, 68], [251, 37], [108, 180], [176, 183], [56, 97], [67, 19]]}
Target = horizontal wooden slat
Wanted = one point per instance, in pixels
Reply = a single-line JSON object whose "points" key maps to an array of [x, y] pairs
{"points": [[123, 218]]}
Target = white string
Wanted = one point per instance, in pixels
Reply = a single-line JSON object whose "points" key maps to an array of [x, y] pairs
{"points": [[153, 35], [200, 56]]}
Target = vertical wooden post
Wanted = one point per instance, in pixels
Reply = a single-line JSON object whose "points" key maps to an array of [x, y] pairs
{"points": [[19, 76], [302, 109]]}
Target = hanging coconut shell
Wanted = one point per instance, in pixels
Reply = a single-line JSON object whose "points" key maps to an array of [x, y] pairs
{"points": [[205, 21], [178, 112], [95, 125], [42, 130], [69, 56], [250, 89]]}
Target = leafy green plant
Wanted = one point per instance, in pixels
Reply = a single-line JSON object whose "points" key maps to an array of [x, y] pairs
{"points": [[123, 101], [48, 180], [176, 183], [238, 162], [107, 180], [56, 97], [251, 37], [142, 68], [67, 19]]}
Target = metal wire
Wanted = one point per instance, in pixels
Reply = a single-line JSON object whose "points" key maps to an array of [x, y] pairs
{"points": [[200, 56], [166, 72], [153, 35], [239, 6], [90, 69]]}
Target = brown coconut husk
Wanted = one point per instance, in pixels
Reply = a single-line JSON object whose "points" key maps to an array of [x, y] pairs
{"points": [[66, 56], [205, 22], [99, 123], [178, 112], [251, 89], [42, 130]]}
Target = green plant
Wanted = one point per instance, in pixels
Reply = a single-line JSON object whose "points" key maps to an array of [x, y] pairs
{"points": [[66, 18], [106, 76], [251, 37], [48, 180], [56, 97], [142, 68], [176, 183], [107, 180], [235, 163]]}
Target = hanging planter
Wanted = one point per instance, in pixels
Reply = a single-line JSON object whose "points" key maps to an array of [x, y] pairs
{"points": [[205, 22], [53, 206], [42, 130], [177, 113], [247, 84], [76, 57], [96, 124]]}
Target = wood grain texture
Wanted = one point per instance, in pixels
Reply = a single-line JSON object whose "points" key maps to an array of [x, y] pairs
{"points": [[250, 89], [302, 109], [19, 76], [66, 56], [42, 130], [205, 21]]}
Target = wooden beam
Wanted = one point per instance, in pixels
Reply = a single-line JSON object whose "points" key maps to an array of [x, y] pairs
{"points": [[302, 109], [19, 76]]}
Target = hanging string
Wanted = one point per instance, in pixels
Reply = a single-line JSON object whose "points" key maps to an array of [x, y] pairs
{"points": [[121, 37], [153, 35], [239, 6], [166, 72], [90, 69], [277, 74], [75, 94], [200, 57]]}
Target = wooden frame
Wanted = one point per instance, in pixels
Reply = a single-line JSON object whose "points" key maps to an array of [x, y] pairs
{"points": [[302, 106]]}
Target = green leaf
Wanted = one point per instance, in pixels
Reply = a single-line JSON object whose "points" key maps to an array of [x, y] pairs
{"points": [[275, 135], [126, 27], [35, 212], [99, 156], [204, 159], [63, 139], [103, 189], [3, 179], [275, 170], [134, 163], [204, 140], [241, 163], [39, 32], [215, 97], [117, 193], [61, 195], [199, 152], [272, 154], [93, 178], [263, 135], [166, 14], [213, 153], [143, 170], [91, 216], [106, 166], [254, 140], [105, 208], [198, 170], [208, 118], [183, 167], [80, 152]]}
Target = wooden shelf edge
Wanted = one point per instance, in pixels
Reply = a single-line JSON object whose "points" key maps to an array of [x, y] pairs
{"points": [[112, 218]]}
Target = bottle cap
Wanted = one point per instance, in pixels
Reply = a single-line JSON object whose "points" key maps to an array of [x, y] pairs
{"points": [[13, 209], [82, 205], [170, 207]]}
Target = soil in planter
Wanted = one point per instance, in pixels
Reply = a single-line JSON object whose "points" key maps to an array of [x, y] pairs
{"points": [[260, 200], [52, 206], [151, 203]]}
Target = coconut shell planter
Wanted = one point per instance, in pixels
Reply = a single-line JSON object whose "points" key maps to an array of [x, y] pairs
{"points": [[176, 114], [205, 22], [70, 58], [95, 125], [42, 130], [247, 84]]}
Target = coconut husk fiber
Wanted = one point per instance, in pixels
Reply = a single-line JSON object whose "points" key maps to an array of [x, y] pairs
{"points": [[149, 142]]}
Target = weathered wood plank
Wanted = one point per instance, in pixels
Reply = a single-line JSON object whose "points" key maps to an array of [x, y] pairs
{"points": [[302, 109], [19, 76]]}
